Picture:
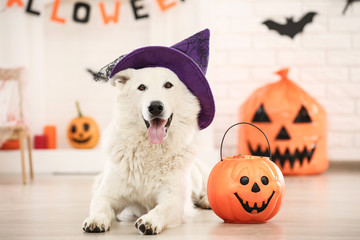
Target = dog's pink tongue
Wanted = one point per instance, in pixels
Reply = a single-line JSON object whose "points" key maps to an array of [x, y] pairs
{"points": [[157, 131]]}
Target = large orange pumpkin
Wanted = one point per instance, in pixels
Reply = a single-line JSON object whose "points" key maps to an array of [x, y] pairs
{"points": [[294, 122], [246, 189], [83, 132]]}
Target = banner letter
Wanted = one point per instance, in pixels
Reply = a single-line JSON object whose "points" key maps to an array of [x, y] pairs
{"points": [[136, 10], [29, 10], [54, 16], [109, 18], [87, 8], [164, 5], [11, 2]]}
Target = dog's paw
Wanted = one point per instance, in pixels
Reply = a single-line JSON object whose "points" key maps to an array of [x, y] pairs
{"points": [[96, 224], [148, 225], [203, 202]]}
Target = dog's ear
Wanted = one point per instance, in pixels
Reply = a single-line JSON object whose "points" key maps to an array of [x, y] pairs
{"points": [[121, 77]]}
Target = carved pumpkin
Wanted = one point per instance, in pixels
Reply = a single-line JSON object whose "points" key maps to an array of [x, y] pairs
{"points": [[83, 132], [294, 122], [246, 189]]}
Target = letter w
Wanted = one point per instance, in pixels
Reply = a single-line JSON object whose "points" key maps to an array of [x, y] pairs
{"points": [[108, 18]]}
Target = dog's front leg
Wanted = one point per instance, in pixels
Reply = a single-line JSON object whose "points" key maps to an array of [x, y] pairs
{"points": [[172, 199], [167, 212], [102, 213], [105, 203]]}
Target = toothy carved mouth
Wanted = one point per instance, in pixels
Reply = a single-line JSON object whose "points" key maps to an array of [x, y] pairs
{"points": [[255, 208], [81, 141], [286, 156]]}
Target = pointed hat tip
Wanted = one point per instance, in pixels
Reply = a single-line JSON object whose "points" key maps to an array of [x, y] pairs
{"points": [[196, 48]]}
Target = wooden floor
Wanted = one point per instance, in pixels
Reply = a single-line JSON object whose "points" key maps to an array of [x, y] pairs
{"points": [[326, 206]]}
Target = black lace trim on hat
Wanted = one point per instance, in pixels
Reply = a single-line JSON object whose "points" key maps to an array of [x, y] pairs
{"points": [[104, 73]]}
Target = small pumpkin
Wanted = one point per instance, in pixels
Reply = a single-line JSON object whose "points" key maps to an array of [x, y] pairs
{"points": [[83, 132], [246, 189]]}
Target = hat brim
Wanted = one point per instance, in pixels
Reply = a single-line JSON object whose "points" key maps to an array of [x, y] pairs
{"points": [[183, 66]]}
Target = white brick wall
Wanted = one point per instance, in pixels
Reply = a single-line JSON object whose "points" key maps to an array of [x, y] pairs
{"points": [[324, 60]]}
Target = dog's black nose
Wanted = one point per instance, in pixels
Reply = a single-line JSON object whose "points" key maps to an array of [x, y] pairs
{"points": [[156, 108]]}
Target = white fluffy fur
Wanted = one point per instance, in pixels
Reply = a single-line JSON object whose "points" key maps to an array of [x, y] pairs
{"points": [[160, 182]]}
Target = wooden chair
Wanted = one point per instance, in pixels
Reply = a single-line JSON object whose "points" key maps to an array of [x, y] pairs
{"points": [[20, 130]]}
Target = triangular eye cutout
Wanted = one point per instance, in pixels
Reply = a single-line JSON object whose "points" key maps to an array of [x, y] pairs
{"points": [[303, 116], [260, 115]]}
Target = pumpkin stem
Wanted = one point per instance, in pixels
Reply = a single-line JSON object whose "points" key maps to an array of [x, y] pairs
{"points": [[78, 108], [283, 73]]}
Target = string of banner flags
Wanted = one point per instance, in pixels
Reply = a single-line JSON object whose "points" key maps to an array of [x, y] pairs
{"points": [[82, 10]]}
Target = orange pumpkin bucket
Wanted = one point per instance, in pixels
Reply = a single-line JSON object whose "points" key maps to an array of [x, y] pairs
{"points": [[245, 188]]}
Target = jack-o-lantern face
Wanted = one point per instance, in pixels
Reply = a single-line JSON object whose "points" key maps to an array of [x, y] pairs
{"points": [[294, 123], [246, 189], [83, 132]]}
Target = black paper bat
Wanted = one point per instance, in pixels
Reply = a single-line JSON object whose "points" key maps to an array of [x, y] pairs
{"points": [[290, 28], [348, 3], [96, 74]]}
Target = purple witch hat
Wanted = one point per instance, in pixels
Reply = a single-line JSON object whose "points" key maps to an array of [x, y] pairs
{"points": [[188, 59]]}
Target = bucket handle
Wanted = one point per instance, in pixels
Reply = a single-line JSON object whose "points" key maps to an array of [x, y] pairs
{"points": [[222, 141]]}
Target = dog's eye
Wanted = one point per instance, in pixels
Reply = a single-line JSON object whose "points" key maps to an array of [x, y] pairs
{"points": [[168, 85], [142, 87]]}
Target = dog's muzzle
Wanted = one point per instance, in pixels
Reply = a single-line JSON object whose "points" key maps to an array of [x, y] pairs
{"points": [[158, 128]]}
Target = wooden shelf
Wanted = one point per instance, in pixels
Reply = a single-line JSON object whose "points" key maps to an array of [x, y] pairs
{"points": [[67, 160], [72, 161]]}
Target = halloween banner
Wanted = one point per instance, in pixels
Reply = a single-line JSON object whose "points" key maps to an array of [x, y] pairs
{"points": [[81, 13]]}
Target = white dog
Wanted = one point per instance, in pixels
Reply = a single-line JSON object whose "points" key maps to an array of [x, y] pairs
{"points": [[151, 151]]}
